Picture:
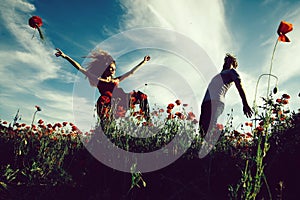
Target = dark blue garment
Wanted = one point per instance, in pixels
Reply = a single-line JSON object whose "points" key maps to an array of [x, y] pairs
{"points": [[210, 112]]}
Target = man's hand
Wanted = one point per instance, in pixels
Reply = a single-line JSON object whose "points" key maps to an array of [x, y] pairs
{"points": [[60, 53], [247, 111]]}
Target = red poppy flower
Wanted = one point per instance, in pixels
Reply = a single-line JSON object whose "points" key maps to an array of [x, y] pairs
{"points": [[178, 102], [261, 123], [191, 116], [108, 93], [132, 99], [171, 106], [120, 111], [259, 129], [36, 22], [179, 115], [4, 122], [249, 124], [161, 110], [278, 100], [42, 126], [65, 123], [74, 128], [38, 108], [185, 105], [283, 29], [249, 134], [286, 96], [285, 101], [40, 121], [195, 121], [58, 125], [143, 96], [105, 99]]}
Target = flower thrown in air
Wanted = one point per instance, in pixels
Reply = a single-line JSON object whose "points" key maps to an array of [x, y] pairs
{"points": [[284, 28], [36, 22]]}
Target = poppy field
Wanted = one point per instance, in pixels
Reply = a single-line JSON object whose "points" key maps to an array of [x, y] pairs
{"points": [[50, 160], [259, 159]]}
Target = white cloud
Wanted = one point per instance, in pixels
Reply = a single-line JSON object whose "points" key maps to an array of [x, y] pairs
{"points": [[26, 63], [203, 22]]}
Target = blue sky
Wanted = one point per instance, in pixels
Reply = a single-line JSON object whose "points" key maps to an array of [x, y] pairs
{"points": [[31, 74]]}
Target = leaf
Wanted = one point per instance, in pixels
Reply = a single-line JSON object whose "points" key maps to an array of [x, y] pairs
{"points": [[144, 184], [4, 185]]}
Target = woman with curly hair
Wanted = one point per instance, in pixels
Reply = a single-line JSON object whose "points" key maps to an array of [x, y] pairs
{"points": [[101, 74]]}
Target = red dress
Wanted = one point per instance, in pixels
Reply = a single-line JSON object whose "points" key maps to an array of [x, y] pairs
{"points": [[113, 96]]}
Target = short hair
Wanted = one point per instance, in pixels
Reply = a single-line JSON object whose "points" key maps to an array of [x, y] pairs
{"points": [[228, 61]]}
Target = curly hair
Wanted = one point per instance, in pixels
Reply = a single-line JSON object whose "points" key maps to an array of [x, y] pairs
{"points": [[228, 61], [100, 61]]}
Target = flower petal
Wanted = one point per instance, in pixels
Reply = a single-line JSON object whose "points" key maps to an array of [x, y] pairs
{"points": [[284, 27], [283, 38]]}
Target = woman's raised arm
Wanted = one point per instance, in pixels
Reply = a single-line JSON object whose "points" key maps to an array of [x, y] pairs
{"points": [[60, 53], [133, 70], [92, 78]]}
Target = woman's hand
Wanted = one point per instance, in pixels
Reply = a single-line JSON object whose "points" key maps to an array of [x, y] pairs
{"points": [[146, 58], [60, 53]]}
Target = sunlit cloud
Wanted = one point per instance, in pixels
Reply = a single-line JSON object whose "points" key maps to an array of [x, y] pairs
{"points": [[25, 68]]}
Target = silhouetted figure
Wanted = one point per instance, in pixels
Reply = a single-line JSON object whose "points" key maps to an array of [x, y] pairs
{"points": [[214, 99]]}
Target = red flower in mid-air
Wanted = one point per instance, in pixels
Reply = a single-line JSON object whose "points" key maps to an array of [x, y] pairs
{"points": [[36, 22], [284, 28]]}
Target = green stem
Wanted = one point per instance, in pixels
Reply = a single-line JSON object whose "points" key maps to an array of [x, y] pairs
{"points": [[267, 185], [33, 120], [271, 68], [256, 88], [40, 32]]}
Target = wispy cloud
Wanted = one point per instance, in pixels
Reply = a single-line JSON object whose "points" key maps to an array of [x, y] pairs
{"points": [[202, 22], [26, 64], [205, 23]]}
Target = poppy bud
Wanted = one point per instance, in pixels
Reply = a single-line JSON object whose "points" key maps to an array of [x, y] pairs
{"points": [[275, 90]]}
